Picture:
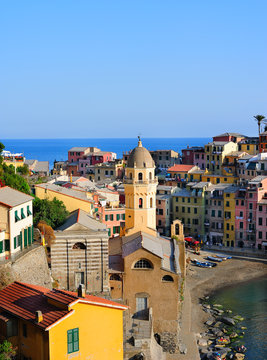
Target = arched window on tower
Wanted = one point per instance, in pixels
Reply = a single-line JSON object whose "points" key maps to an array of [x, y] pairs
{"points": [[177, 229], [150, 175], [140, 176], [130, 176], [140, 203], [151, 202]]}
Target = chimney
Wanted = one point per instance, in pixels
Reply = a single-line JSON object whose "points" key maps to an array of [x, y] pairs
{"points": [[38, 316], [81, 291]]}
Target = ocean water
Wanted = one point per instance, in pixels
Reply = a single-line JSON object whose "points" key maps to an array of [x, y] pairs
{"points": [[250, 301], [57, 149]]}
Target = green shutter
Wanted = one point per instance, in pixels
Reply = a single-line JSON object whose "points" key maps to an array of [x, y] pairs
{"points": [[75, 339], [22, 213], [32, 234], [25, 236], [1, 247], [123, 216], [25, 240], [106, 217], [111, 217], [118, 216], [109, 232], [70, 343], [7, 245], [28, 211], [114, 230], [15, 242], [16, 216], [29, 235]]}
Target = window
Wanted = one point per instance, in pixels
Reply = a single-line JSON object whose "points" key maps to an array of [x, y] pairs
{"points": [[73, 340], [140, 176], [111, 217], [115, 277], [176, 208], [151, 202], [260, 207], [188, 200], [24, 330], [250, 195], [12, 327], [183, 209], [227, 226], [260, 234], [227, 195], [219, 213], [143, 264], [188, 210], [260, 221], [16, 216], [167, 278], [183, 200], [140, 203], [118, 216], [250, 206], [195, 210], [106, 217], [241, 225], [79, 246], [213, 213], [195, 200], [241, 214], [123, 216], [236, 202]]}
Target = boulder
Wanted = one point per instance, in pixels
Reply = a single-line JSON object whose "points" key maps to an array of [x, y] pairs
{"points": [[202, 342], [217, 324], [209, 322], [238, 318], [217, 306], [228, 321], [239, 356], [233, 335]]}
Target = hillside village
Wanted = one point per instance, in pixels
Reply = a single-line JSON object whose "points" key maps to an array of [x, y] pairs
{"points": [[113, 268]]}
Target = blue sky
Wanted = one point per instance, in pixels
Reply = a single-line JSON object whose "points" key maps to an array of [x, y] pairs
{"points": [[119, 68]]}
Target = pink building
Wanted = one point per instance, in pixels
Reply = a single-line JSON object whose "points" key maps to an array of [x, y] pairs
{"points": [[255, 192], [194, 155], [199, 158], [234, 137], [114, 218], [76, 153], [261, 221]]}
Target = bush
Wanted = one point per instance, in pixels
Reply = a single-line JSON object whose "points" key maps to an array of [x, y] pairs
{"points": [[53, 213]]}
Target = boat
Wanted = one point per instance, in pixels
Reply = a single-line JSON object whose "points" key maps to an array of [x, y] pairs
{"points": [[224, 257], [211, 258], [204, 264]]}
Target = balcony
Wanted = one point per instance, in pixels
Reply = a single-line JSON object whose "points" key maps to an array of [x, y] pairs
{"points": [[140, 182]]}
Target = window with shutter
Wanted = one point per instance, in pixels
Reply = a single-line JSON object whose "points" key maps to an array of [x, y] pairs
{"points": [[106, 217], [73, 340], [118, 216], [15, 242], [28, 211], [1, 247], [17, 218], [26, 237], [123, 216], [22, 213]]}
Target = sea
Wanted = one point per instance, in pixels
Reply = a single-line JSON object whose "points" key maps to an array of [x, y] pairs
{"points": [[250, 301], [57, 149]]}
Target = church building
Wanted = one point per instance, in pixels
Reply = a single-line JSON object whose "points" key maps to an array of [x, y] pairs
{"points": [[146, 269]]}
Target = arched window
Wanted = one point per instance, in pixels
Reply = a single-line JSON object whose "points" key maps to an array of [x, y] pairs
{"points": [[79, 246], [140, 176], [150, 175], [131, 176], [177, 229], [143, 264], [140, 203], [151, 202], [167, 278], [115, 277]]}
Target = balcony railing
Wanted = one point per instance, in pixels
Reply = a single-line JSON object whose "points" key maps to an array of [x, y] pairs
{"points": [[140, 182]]}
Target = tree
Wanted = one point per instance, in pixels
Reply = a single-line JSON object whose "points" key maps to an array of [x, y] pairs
{"points": [[7, 351], [2, 146], [24, 170], [47, 231], [259, 119], [53, 212], [9, 178]]}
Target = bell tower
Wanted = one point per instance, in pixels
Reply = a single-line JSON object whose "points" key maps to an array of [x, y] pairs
{"points": [[140, 187]]}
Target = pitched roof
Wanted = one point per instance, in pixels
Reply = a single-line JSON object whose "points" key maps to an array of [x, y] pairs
{"points": [[81, 217], [11, 197], [78, 194], [79, 148], [230, 134], [181, 167], [23, 300]]}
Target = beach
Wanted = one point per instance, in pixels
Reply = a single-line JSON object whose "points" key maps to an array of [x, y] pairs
{"points": [[202, 282]]}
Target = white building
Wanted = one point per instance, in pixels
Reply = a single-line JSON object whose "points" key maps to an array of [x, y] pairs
{"points": [[16, 221]]}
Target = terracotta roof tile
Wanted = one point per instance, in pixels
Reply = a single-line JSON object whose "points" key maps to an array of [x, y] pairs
{"points": [[23, 300], [181, 167]]}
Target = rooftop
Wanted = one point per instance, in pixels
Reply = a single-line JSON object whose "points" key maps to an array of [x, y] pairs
{"points": [[230, 134], [181, 168], [257, 179], [23, 300], [82, 218], [11, 197], [79, 148], [78, 194]]}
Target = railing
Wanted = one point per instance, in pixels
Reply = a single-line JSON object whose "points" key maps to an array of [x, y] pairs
{"points": [[140, 182]]}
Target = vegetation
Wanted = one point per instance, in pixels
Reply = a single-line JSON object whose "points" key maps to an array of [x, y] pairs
{"points": [[53, 213], [10, 178], [23, 170], [47, 231], [7, 351], [259, 119]]}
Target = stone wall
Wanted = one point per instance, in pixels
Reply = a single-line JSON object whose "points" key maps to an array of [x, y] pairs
{"points": [[31, 268]]}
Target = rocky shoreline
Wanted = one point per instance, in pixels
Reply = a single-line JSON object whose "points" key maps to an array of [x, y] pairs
{"points": [[223, 336], [208, 324]]}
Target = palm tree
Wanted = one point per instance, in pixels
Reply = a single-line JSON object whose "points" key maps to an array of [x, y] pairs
{"points": [[259, 119]]}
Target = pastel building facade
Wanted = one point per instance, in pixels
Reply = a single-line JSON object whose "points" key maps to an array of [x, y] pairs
{"points": [[215, 154], [16, 221]]}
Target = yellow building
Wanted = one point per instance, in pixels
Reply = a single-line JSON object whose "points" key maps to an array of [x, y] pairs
{"points": [[72, 199], [229, 215], [55, 324], [140, 188], [215, 153], [250, 145], [219, 179]]}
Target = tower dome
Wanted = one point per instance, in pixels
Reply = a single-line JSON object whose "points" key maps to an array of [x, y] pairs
{"points": [[140, 157]]}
